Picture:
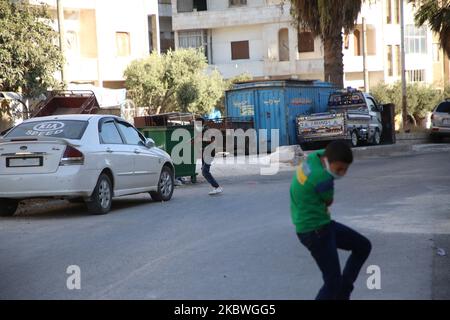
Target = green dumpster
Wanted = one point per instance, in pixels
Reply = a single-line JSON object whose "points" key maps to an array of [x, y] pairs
{"points": [[163, 140]]}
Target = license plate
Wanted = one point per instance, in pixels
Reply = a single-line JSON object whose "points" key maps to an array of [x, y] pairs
{"points": [[321, 123], [446, 121], [24, 162]]}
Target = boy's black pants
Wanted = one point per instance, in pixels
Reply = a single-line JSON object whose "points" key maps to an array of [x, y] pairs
{"points": [[323, 245]]}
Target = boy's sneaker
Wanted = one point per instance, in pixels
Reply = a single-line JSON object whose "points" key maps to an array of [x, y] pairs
{"points": [[216, 191]]}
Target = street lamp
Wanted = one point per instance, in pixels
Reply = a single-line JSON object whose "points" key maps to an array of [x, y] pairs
{"points": [[60, 15]]}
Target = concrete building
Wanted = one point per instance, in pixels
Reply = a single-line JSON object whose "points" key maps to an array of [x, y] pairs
{"points": [[258, 37], [102, 37], [247, 36], [166, 34], [425, 60]]}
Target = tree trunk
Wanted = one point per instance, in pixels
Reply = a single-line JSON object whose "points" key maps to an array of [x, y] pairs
{"points": [[333, 59]]}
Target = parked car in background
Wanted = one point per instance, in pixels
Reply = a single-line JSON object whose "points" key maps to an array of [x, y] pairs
{"points": [[440, 121], [4, 132], [80, 157]]}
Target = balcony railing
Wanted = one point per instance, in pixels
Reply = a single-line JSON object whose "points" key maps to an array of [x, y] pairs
{"points": [[236, 16]]}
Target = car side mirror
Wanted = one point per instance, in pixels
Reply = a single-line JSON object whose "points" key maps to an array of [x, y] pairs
{"points": [[377, 109], [149, 143]]}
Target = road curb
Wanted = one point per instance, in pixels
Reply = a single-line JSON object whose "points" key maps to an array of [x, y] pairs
{"points": [[382, 151]]}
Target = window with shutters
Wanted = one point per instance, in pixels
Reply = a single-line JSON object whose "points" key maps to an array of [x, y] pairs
{"points": [[358, 42], [393, 11], [123, 44], [240, 50], [415, 39], [398, 60], [283, 44], [390, 61], [305, 42], [234, 3], [191, 5]]}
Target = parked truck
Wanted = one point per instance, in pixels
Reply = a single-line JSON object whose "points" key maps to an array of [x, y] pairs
{"points": [[352, 115], [62, 102]]}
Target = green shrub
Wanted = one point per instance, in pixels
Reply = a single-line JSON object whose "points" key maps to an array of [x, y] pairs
{"points": [[421, 98]]}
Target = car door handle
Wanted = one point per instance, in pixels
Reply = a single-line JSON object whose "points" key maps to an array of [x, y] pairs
{"points": [[137, 151], [109, 150]]}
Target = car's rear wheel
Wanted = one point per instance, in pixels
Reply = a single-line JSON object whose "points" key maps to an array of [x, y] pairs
{"points": [[8, 207], [166, 185], [101, 199], [436, 138]]}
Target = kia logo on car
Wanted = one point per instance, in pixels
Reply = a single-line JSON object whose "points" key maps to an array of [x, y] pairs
{"points": [[48, 126], [23, 148]]}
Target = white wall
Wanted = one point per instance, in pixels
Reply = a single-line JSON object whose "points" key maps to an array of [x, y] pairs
{"points": [[124, 16], [258, 22], [216, 5], [222, 39], [386, 34]]}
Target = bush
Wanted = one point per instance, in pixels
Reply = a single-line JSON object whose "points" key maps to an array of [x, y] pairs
{"points": [[420, 98], [176, 81]]}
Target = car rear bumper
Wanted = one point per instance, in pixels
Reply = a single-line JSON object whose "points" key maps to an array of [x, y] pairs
{"points": [[67, 181], [444, 131], [305, 139]]}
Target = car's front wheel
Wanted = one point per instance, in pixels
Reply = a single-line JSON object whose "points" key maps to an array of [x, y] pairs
{"points": [[166, 184], [377, 137], [8, 207], [101, 199]]}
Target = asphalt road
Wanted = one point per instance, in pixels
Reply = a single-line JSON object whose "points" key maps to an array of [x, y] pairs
{"points": [[240, 245]]}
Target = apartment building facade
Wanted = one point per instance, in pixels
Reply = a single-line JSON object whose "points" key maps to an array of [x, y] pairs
{"points": [[258, 37], [247, 36], [166, 35], [425, 61], [102, 37]]}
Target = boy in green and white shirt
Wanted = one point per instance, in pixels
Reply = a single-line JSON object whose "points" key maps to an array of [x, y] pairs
{"points": [[311, 194]]}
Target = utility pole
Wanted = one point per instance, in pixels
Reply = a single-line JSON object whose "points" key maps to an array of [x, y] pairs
{"points": [[60, 15], [403, 67], [366, 71]]}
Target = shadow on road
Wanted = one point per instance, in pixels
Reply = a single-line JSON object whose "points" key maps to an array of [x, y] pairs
{"points": [[62, 209]]}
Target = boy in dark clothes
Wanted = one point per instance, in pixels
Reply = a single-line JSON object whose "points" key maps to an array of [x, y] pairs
{"points": [[207, 160]]}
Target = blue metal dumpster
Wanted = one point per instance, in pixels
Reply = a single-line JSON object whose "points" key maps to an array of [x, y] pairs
{"points": [[275, 104]]}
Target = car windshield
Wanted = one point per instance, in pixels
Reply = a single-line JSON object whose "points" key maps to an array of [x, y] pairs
{"points": [[345, 99], [444, 107], [68, 129]]}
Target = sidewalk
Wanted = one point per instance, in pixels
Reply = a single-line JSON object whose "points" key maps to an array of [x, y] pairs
{"points": [[254, 165], [399, 150]]}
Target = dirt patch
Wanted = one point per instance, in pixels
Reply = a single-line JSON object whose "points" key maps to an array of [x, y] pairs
{"points": [[39, 206]]}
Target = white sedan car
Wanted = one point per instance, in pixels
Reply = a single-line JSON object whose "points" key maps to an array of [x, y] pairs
{"points": [[80, 157]]}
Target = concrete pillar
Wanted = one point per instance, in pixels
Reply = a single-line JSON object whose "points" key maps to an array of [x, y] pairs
{"points": [[156, 38]]}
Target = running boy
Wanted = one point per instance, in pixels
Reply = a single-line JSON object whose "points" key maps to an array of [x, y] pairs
{"points": [[311, 194]]}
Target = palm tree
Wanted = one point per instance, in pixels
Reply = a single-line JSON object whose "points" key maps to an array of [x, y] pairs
{"points": [[435, 14], [327, 19]]}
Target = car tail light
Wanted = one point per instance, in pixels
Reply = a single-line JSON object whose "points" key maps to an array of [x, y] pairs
{"points": [[72, 156]]}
